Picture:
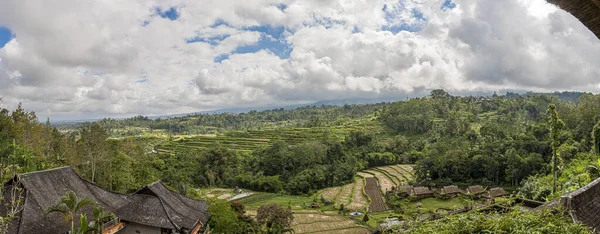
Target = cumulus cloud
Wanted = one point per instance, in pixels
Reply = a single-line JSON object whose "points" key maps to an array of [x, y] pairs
{"points": [[80, 59]]}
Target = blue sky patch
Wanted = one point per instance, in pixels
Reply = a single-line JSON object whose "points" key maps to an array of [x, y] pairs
{"points": [[170, 13], [281, 6], [448, 4], [218, 23], [221, 57], [5, 36], [213, 41], [272, 39], [394, 26]]}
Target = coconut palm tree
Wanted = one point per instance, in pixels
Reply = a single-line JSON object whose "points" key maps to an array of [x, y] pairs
{"points": [[68, 206]]}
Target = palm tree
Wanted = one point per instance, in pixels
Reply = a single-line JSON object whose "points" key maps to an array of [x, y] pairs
{"points": [[68, 206]]}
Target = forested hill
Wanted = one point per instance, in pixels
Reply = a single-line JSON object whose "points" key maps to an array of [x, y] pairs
{"points": [[323, 115]]}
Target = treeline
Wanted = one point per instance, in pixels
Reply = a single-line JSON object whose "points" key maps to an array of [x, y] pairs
{"points": [[493, 140], [309, 116]]}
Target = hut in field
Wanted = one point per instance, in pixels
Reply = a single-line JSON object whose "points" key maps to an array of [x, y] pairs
{"points": [[496, 192], [405, 189], [587, 11], [153, 209], [475, 190], [421, 192], [450, 191]]}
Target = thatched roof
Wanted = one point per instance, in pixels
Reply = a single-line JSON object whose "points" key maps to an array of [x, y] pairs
{"points": [[496, 192], [44, 188], [421, 191], [156, 205], [583, 204], [475, 189], [405, 188], [452, 189], [587, 11]]}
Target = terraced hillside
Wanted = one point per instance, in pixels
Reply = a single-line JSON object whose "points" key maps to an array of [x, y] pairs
{"points": [[250, 140]]}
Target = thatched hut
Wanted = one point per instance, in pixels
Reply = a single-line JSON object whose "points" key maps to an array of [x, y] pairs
{"points": [[587, 11], [405, 189], [475, 190], [421, 192], [496, 192], [153, 209], [450, 191]]}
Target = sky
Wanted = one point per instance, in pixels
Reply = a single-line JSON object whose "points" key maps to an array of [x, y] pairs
{"points": [[71, 59]]}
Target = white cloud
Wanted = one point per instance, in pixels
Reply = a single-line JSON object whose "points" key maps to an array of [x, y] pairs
{"points": [[80, 59]]}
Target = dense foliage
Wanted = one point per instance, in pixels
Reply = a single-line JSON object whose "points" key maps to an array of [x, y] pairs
{"points": [[515, 222]]}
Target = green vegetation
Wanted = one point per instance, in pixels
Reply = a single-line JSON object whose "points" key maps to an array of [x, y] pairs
{"points": [[536, 143], [513, 222]]}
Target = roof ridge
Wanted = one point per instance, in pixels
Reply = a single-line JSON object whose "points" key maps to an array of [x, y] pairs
{"points": [[47, 170], [162, 204]]}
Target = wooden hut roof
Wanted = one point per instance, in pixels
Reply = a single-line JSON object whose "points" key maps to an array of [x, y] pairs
{"points": [[475, 189], [496, 192], [583, 204], [156, 205], [587, 11], [421, 191], [405, 188], [452, 189], [42, 189]]}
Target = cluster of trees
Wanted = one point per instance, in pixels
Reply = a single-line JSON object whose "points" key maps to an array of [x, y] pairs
{"points": [[494, 140]]}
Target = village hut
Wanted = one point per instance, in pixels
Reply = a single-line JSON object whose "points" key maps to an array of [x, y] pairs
{"points": [[587, 11], [450, 191], [421, 192], [156, 209], [475, 190], [39, 190], [496, 192], [405, 189]]}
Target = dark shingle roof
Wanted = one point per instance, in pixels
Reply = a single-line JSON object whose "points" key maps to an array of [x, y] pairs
{"points": [[584, 204], [173, 209], [154, 205], [44, 188], [587, 11]]}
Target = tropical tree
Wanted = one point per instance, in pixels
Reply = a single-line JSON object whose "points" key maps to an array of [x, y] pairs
{"points": [[68, 206], [556, 127], [274, 218]]}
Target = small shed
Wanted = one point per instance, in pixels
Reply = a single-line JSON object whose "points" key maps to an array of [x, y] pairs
{"points": [[496, 192], [475, 190], [421, 192], [451, 190], [405, 189]]}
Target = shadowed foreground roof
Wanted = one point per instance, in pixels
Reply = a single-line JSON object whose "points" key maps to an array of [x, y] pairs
{"points": [[156, 205], [44, 188], [587, 11], [583, 204]]}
